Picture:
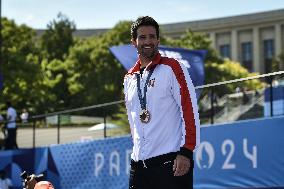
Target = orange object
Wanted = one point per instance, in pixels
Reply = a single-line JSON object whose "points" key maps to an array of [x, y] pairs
{"points": [[43, 185]]}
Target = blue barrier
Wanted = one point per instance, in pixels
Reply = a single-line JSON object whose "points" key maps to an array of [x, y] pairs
{"points": [[247, 154]]}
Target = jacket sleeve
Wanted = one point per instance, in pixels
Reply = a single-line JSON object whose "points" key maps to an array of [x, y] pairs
{"points": [[184, 94], [127, 106]]}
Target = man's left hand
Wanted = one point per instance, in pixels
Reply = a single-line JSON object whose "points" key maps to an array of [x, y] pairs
{"points": [[181, 165]]}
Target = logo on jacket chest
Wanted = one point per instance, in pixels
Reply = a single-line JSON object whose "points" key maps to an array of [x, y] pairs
{"points": [[151, 83]]}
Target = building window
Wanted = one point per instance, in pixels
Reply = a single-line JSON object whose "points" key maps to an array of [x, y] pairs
{"points": [[225, 51], [246, 55], [268, 48]]}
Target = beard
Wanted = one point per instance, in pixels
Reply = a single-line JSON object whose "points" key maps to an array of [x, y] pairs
{"points": [[148, 53]]}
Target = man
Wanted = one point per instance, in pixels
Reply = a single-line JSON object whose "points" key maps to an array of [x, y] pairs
{"points": [[163, 115], [24, 116], [11, 141]]}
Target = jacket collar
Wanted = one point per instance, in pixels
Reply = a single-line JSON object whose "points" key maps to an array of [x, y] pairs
{"points": [[152, 64]]}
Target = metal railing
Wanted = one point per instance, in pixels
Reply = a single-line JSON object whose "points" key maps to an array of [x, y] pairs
{"points": [[270, 77], [43, 126]]}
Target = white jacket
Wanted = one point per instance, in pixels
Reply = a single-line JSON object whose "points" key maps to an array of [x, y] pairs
{"points": [[172, 103]]}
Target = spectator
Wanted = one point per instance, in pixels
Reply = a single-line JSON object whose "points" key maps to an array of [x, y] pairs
{"points": [[11, 141], [256, 93], [238, 89], [5, 183], [275, 83], [24, 116], [245, 96], [214, 98]]}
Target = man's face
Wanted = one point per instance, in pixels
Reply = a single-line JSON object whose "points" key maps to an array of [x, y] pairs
{"points": [[147, 42]]}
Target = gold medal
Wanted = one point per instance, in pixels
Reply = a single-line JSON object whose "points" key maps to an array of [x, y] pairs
{"points": [[145, 116]]}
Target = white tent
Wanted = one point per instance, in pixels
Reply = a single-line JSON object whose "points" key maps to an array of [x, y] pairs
{"points": [[102, 125]]}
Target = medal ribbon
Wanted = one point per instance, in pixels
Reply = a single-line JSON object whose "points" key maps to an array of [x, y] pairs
{"points": [[143, 99]]}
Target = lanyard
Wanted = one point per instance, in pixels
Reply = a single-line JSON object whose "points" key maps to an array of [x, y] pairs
{"points": [[143, 99]]}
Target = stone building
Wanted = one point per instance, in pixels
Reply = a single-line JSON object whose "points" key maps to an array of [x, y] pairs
{"points": [[251, 39]]}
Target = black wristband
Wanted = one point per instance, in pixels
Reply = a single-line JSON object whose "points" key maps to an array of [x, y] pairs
{"points": [[186, 152]]}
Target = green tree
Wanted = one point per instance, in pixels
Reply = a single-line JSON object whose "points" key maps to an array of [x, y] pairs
{"points": [[67, 73], [230, 70], [195, 41], [94, 75], [22, 79], [55, 45], [58, 38]]}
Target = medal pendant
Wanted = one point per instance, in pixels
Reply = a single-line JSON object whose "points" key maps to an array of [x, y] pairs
{"points": [[145, 116]]}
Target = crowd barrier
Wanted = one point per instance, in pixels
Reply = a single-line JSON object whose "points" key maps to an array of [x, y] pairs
{"points": [[246, 154]]}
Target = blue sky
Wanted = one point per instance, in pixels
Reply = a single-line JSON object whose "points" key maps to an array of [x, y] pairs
{"points": [[106, 13]]}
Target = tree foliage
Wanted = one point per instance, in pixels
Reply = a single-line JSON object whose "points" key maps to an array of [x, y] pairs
{"points": [[196, 41], [94, 75], [230, 70], [20, 66], [64, 72], [58, 38], [55, 45]]}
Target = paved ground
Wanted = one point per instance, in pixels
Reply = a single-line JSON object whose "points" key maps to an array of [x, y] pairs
{"points": [[48, 136]]}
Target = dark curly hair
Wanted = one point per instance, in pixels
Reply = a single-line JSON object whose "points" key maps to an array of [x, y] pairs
{"points": [[143, 21]]}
